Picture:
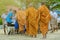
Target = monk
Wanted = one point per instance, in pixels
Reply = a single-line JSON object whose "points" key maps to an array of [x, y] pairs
{"points": [[21, 20], [44, 19], [31, 21]]}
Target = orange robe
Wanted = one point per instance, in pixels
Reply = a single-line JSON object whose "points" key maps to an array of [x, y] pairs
{"points": [[27, 23], [44, 19], [32, 21], [21, 17]]}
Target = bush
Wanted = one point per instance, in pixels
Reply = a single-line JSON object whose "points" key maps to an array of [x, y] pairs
{"points": [[0, 21]]}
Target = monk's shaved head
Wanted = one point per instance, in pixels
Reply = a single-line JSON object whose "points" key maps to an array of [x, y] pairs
{"points": [[30, 5], [43, 3]]}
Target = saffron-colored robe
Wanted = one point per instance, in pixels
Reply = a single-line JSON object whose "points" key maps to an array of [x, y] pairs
{"points": [[31, 21], [21, 17], [44, 19]]}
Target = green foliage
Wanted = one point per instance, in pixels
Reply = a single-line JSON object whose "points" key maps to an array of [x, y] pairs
{"points": [[48, 3], [0, 21], [4, 3], [25, 3]]}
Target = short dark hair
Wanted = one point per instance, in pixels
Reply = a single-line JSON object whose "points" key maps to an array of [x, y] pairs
{"points": [[10, 9], [43, 3]]}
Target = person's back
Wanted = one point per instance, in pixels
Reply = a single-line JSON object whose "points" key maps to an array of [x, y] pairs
{"points": [[13, 19], [44, 19], [54, 17], [4, 15], [9, 17], [31, 21], [53, 21]]}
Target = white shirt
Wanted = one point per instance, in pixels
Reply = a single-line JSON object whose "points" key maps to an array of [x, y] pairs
{"points": [[54, 14], [4, 18], [14, 19]]}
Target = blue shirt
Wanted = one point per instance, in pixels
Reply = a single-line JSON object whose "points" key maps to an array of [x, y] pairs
{"points": [[8, 18]]}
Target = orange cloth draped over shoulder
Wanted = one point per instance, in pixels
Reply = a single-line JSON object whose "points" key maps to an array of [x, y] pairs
{"points": [[31, 21], [21, 17], [44, 18]]}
